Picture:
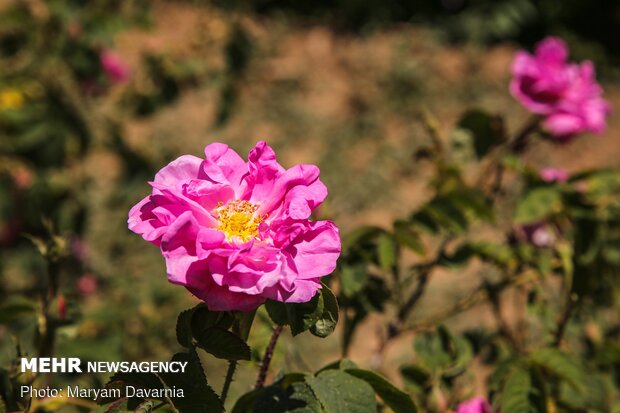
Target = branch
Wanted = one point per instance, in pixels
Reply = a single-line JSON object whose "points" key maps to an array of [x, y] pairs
{"points": [[232, 365], [264, 366], [477, 296]]}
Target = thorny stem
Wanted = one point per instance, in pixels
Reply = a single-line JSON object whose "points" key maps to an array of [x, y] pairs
{"points": [[241, 327], [232, 365], [264, 366], [425, 272]]}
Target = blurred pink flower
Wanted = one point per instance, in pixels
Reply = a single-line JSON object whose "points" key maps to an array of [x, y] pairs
{"points": [[114, 67], [79, 248], [87, 284], [551, 175], [565, 94], [236, 233], [539, 234], [475, 405]]}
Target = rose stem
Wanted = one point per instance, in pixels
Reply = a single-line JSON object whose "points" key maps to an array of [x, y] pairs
{"points": [[264, 366], [232, 365]]}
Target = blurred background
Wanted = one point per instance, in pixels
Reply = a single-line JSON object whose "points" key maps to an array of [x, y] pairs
{"points": [[96, 96]]}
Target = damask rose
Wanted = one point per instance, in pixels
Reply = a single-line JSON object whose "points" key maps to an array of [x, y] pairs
{"points": [[565, 94], [540, 234], [114, 67], [551, 175], [475, 405], [237, 233]]}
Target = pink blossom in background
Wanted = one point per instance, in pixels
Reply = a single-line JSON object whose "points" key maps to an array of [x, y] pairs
{"points": [[114, 67], [80, 249], [551, 175], [87, 284], [475, 405], [565, 94], [539, 234], [237, 233]]}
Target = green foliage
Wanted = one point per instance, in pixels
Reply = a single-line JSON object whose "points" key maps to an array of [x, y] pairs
{"points": [[342, 392], [538, 204], [318, 315], [519, 394], [223, 344], [337, 387], [197, 394], [484, 130], [394, 398]]}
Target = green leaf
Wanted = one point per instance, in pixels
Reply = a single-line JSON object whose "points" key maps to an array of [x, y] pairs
{"points": [[14, 308], [560, 365], [203, 318], [537, 204], [417, 376], [442, 354], [596, 397], [326, 324], [183, 329], [277, 312], [387, 252], [342, 364], [395, 399], [474, 201], [198, 396], [297, 398], [353, 278], [245, 403], [341, 392], [408, 237], [448, 215], [223, 344], [486, 130], [300, 316], [289, 391], [515, 395]]}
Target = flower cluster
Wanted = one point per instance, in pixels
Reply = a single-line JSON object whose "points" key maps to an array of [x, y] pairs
{"points": [[565, 94], [237, 233]]}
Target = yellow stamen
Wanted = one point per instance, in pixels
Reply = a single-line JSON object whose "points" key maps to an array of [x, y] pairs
{"points": [[239, 219]]}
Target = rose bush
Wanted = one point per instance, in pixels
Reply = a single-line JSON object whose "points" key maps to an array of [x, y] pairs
{"points": [[499, 279]]}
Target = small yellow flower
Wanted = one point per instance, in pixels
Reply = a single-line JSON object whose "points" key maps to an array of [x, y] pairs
{"points": [[11, 99]]}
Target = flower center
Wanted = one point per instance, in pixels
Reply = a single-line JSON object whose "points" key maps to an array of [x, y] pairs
{"points": [[238, 219]]}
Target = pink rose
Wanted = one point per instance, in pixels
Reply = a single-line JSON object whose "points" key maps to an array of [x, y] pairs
{"points": [[565, 94], [475, 405], [539, 234], [114, 67], [551, 175], [87, 284], [237, 233]]}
